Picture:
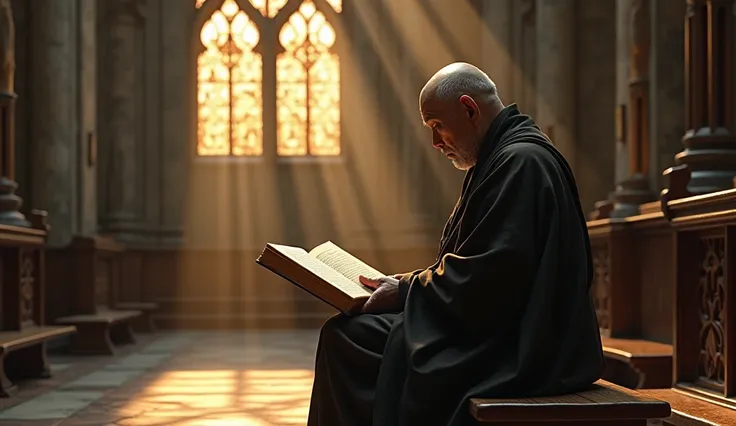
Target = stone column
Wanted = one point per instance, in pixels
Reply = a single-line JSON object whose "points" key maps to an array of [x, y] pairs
{"points": [[635, 190], [667, 87], [176, 139], [555, 80], [55, 116], [119, 180], [496, 45], [710, 136], [9, 202], [623, 8]]}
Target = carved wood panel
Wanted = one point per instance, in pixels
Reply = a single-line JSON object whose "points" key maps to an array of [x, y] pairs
{"points": [[703, 365], [602, 285], [27, 284], [712, 297]]}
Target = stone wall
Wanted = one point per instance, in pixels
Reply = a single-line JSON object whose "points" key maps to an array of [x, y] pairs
{"points": [[106, 127]]}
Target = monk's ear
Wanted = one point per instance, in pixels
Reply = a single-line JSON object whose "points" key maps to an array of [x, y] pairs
{"points": [[471, 108]]}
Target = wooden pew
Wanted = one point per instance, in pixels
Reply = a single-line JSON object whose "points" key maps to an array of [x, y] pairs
{"points": [[87, 277], [633, 275], [23, 330], [605, 404]]}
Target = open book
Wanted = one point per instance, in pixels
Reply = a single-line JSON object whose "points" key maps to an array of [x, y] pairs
{"points": [[327, 272]]}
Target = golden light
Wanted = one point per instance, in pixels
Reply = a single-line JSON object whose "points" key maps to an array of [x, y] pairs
{"points": [[269, 8], [230, 92], [308, 91], [251, 397], [229, 74]]}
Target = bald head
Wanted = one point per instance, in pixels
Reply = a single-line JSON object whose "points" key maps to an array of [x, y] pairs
{"points": [[459, 79], [459, 103]]}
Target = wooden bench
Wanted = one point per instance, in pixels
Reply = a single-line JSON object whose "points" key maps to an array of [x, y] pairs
{"points": [[688, 410], [145, 322], [605, 404], [87, 277], [23, 329], [650, 362], [100, 333], [23, 354]]}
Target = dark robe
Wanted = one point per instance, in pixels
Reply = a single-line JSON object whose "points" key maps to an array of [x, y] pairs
{"points": [[506, 311]]}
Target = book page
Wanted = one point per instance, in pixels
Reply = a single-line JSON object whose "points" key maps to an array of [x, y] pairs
{"points": [[310, 263], [343, 262]]}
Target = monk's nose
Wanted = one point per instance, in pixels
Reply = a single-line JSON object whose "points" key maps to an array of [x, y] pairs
{"points": [[436, 140]]}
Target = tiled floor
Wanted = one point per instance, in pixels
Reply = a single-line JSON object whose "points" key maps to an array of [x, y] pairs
{"points": [[183, 379]]}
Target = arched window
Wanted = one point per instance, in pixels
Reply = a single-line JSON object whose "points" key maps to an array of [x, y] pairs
{"points": [[230, 83]]}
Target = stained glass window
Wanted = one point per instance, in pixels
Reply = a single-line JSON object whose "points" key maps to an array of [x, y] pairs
{"points": [[268, 8], [230, 84], [308, 87]]}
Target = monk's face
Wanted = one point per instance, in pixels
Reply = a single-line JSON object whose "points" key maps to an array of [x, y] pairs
{"points": [[454, 126]]}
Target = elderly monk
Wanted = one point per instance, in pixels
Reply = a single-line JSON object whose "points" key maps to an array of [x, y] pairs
{"points": [[506, 309]]}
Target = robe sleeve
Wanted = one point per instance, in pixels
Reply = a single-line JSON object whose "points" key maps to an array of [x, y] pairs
{"points": [[488, 278], [404, 283]]}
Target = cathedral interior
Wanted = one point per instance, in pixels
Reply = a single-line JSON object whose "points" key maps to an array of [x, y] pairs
{"points": [[150, 148]]}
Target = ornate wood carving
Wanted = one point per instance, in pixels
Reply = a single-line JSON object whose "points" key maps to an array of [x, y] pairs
{"points": [[602, 285], [712, 297], [27, 286]]}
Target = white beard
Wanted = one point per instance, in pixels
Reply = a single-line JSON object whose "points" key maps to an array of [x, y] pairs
{"points": [[462, 165]]}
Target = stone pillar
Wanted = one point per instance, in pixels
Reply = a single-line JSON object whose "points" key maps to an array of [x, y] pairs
{"points": [[710, 137], [623, 45], [635, 190], [54, 116], [555, 80], [119, 180], [9, 202], [496, 45], [87, 134], [666, 87], [523, 49], [176, 139]]}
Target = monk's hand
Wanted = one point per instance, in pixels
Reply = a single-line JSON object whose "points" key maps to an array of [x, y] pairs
{"points": [[385, 297]]}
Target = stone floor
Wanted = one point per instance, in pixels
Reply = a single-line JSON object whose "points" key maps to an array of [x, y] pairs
{"points": [[176, 379]]}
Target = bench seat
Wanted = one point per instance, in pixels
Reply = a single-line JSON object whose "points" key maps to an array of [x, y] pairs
{"points": [[691, 411], [145, 322], [29, 354], [651, 361], [604, 404], [99, 333]]}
